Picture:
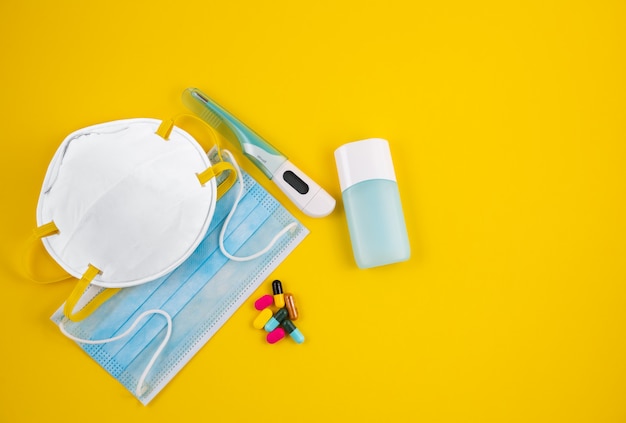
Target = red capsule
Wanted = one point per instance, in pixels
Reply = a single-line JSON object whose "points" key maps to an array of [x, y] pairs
{"points": [[275, 335], [264, 302]]}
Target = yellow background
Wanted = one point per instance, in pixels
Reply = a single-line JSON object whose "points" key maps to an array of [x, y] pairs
{"points": [[507, 125]]}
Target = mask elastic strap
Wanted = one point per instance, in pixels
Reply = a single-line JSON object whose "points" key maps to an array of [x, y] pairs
{"points": [[289, 228], [49, 229], [34, 252], [78, 291], [140, 390], [165, 129], [214, 171]]}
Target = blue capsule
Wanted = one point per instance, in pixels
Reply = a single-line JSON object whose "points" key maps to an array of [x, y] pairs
{"points": [[276, 320], [293, 331]]}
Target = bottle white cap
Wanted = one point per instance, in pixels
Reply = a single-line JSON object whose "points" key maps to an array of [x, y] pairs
{"points": [[364, 160]]}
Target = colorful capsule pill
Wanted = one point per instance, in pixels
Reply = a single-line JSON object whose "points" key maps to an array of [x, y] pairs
{"points": [[264, 302], [290, 304], [293, 331], [263, 317], [275, 335], [279, 298], [276, 320]]}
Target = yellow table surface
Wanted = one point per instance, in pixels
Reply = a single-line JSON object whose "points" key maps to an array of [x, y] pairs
{"points": [[507, 126]]}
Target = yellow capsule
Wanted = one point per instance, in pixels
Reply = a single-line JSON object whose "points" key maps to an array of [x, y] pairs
{"points": [[279, 300], [262, 318], [277, 290], [290, 303]]}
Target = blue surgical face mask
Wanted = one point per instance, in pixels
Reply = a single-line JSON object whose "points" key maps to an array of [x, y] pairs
{"points": [[145, 334]]}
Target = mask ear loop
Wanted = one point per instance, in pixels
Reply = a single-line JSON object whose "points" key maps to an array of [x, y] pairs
{"points": [[289, 228], [141, 389]]}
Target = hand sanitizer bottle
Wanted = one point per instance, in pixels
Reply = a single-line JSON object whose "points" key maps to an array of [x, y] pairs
{"points": [[372, 203]]}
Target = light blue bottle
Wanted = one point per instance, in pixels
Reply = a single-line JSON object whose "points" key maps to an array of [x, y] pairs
{"points": [[372, 203]]}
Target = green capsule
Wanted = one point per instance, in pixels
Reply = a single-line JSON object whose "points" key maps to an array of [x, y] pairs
{"points": [[276, 319]]}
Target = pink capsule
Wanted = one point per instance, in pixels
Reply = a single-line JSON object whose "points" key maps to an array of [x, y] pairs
{"points": [[276, 335], [264, 302]]}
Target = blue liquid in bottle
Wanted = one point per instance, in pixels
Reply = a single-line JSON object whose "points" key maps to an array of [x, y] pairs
{"points": [[376, 223]]}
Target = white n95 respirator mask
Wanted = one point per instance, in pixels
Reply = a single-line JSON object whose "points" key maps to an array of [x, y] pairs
{"points": [[126, 202]]}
